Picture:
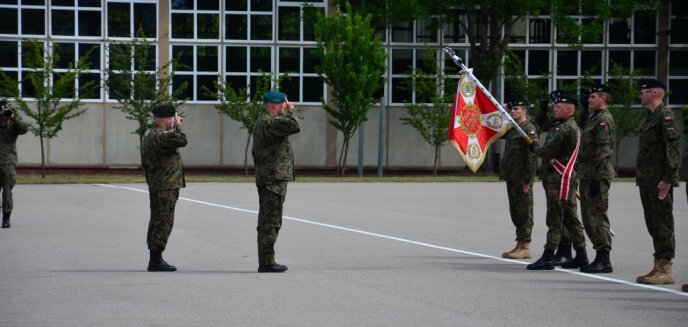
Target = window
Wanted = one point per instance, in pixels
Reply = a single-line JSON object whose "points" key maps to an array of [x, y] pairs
{"points": [[303, 84], [128, 18], [198, 67], [248, 20], [245, 64], [195, 19]]}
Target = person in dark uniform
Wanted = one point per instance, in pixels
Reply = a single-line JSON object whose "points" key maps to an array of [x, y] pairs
{"points": [[164, 172], [11, 127], [274, 160], [595, 172], [558, 156], [517, 168], [656, 174]]}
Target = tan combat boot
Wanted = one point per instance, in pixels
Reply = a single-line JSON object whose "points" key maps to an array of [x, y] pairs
{"points": [[522, 251], [684, 288], [663, 274], [508, 254], [652, 272]]}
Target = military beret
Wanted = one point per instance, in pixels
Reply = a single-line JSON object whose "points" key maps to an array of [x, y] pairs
{"points": [[164, 111], [274, 96], [599, 88], [3, 105], [518, 102], [562, 97], [651, 84]]}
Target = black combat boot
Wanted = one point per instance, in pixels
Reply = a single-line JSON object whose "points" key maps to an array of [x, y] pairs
{"points": [[601, 264], [563, 254], [6, 219], [580, 260], [273, 268], [544, 263], [157, 263]]}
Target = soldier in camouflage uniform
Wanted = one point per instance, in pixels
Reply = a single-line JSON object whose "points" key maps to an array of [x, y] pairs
{"points": [[656, 173], [517, 168], [595, 172], [10, 128], [558, 157], [164, 171], [274, 161]]}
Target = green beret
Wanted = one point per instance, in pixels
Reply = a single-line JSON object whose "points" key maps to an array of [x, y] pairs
{"points": [[164, 111], [274, 96]]}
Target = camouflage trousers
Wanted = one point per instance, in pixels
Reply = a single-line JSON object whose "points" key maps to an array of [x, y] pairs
{"points": [[271, 201], [521, 209], [659, 219], [594, 202], [562, 218], [8, 177], [162, 203]]}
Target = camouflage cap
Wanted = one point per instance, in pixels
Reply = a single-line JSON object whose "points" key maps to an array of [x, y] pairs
{"points": [[274, 96], [164, 111], [562, 97], [651, 84]]}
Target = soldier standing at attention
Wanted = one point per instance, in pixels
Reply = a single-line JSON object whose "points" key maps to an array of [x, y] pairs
{"points": [[518, 167], [164, 171], [10, 128], [595, 173], [656, 173], [274, 161], [558, 159]]}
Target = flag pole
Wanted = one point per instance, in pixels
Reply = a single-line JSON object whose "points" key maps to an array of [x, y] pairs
{"points": [[459, 62]]}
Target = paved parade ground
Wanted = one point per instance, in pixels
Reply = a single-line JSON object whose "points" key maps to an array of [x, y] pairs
{"points": [[359, 254]]}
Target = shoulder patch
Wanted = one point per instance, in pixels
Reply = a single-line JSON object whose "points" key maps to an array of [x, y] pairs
{"points": [[668, 119], [602, 124]]}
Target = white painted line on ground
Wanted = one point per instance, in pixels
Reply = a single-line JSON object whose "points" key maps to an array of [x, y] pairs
{"points": [[432, 246]]}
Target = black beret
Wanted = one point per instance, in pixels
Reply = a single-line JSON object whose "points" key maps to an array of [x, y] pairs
{"points": [[164, 111], [515, 102], [562, 97], [599, 88], [651, 84], [3, 105]]}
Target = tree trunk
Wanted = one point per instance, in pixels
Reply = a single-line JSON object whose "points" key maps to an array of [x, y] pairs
{"points": [[437, 156], [342, 157], [248, 140], [42, 157]]}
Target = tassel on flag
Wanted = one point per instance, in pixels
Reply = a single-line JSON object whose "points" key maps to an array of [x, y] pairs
{"points": [[476, 122]]}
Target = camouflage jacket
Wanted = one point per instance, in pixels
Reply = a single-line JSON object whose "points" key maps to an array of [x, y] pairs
{"points": [[161, 160], [8, 139], [597, 147], [560, 144], [272, 152], [658, 148], [518, 164]]}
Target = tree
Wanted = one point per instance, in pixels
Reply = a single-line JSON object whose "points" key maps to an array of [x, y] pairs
{"points": [[352, 63], [138, 85], [243, 107], [431, 113], [55, 95]]}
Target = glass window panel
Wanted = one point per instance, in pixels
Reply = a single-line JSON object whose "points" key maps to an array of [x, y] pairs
{"points": [[566, 84], [453, 32], [205, 84], [567, 62], [63, 55], [92, 51], [399, 94], [62, 2], [183, 54], [33, 2], [206, 58], [289, 60], [540, 31], [8, 2], [261, 27], [179, 81], [645, 27], [260, 59], [27, 85], [309, 61], [63, 22], [183, 4], [120, 56], [9, 92], [33, 21], [118, 19], [291, 88], [518, 31], [30, 61], [9, 54], [310, 17], [426, 30], [596, 38], [236, 27], [678, 31], [678, 64], [145, 89], [236, 5], [208, 26], [591, 62], [117, 86], [89, 23], [64, 85], [312, 89], [236, 59], [538, 62], [644, 62], [289, 21], [261, 5], [236, 82], [620, 31], [182, 26], [402, 61], [402, 32], [8, 21], [145, 19], [89, 3], [426, 60], [679, 96], [144, 56], [619, 58], [208, 5], [519, 57], [253, 82]]}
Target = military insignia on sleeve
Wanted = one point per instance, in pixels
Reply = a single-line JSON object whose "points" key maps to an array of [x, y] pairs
{"points": [[668, 119], [532, 133], [603, 124]]}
